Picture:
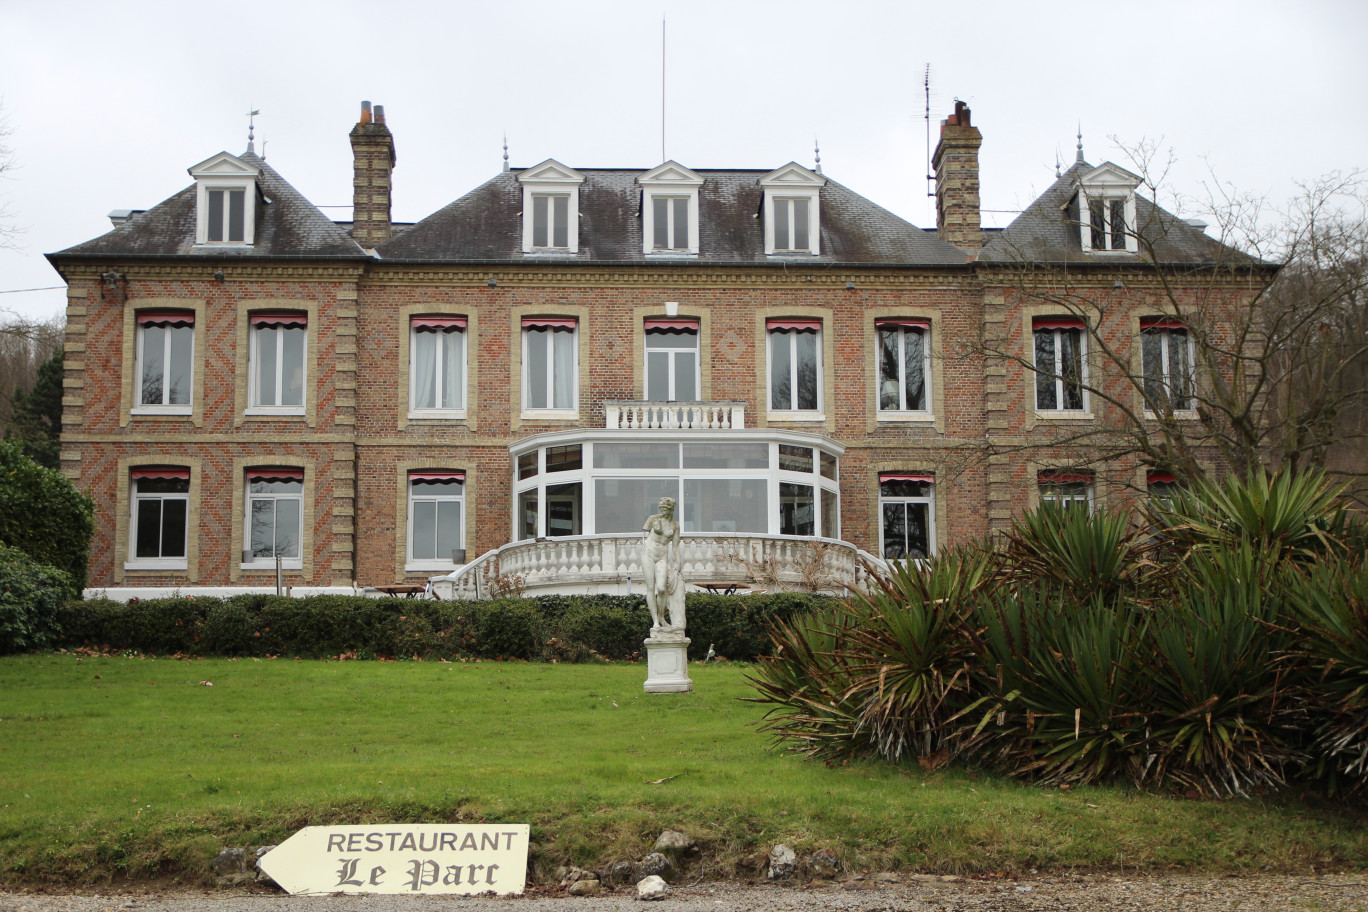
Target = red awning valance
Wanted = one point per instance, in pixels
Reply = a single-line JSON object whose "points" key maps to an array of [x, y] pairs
{"points": [[668, 325], [164, 472], [918, 477], [438, 324], [793, 325], [166, 318], [275, 474], [432, 477], [1161, 323], [280, 319], [1064, 478], [1058, 323], [904, 323], [1160, 478], [555, 324]]}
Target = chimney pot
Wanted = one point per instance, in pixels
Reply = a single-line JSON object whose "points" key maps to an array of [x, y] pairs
{"points": [[379, 114], [365, 112]]}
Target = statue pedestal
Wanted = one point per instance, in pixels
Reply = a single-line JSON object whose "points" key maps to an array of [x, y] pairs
{"points": [[667, 665]]}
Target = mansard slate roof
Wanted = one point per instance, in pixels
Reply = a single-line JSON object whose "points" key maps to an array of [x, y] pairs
{"points": [[1048, 232], [289, 225], [486, 225]]}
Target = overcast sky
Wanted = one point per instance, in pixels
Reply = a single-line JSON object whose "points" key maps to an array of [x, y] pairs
{"points": [[108, 103]]}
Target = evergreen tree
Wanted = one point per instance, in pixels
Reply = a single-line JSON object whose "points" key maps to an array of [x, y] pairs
{"points": [[36, 419]]}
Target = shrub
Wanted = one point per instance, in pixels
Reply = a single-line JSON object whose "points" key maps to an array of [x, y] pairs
{"points": [[611, 631], [43, 515], [508, 629], [31, 596]]}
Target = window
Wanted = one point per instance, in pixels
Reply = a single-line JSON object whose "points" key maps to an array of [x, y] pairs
{"points": [[161, 509], [276, 373], [795, 354], [1162, 487], [225, 200], [671, 360], [550, 208], [550, 220], [275, 509], [906, 508], [791, 224], [437, 364], [904, 365], [1107, 224], [165, 359], [1066, 491], [550, 364], [1060, 354], [670, 223], [1166, 358], [227, 220], [669, 209], [1106, 210], [436, 519]]}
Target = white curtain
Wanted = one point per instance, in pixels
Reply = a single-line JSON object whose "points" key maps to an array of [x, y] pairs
{"points": [[453, 396], [424, 370], [563, 366]]}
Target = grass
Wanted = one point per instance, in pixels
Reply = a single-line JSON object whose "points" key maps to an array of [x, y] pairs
{"points": [[130, 768]]}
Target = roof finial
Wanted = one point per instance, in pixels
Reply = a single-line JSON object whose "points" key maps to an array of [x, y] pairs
{"points": [[505, 166], [1057, 163], [1079, 156], [251, 130], [817, 154]]}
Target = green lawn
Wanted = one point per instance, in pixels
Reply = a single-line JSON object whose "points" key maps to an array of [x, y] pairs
{"points": [[131, 767]]}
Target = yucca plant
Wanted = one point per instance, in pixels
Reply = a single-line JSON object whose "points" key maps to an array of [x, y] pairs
{"points": [[1224, 711], [1288, 516], [1332, 606], [1063, 683], [1086, 555]]}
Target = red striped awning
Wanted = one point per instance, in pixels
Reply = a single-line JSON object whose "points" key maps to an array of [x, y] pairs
{"points": [[1058, 323], [1063, 478], [277, 474], [1161, 323], [280, 319], [918, 477], [166, 318], [164, 472], [1160, 478], [793, 325], [668, 325], [433, 477], [904, 323], [438, 324], [555, 324]]}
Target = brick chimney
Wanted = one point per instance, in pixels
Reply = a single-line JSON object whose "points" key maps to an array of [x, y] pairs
{"points": [[957, 181], [372, 162]]}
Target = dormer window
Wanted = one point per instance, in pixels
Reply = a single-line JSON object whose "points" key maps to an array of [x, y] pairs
{"points": [[669, 210], [550, 208], [1106, 210], [792, 211], [226, 200]]}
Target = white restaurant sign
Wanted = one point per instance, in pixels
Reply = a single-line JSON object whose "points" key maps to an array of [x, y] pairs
{"points": [[402, 858]]}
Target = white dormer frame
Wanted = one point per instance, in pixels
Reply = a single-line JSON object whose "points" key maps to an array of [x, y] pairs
{"points": [[551, 179], [795, 182], [225, 172], [670, 180], [1108, 183]]}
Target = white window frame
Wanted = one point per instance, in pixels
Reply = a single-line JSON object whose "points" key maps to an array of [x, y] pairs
{"points": [[670, 353], [1066, 492], [1055, 370], [433, 495], [903, 500], [551, 179], [1108, 183], [529, 411], [249, 497], [253, 372], [162, 408], [792, 182], [670, 180], [134, 562], [793, 414], [225, 172], [442, 410], [1167, 336], [903, 327]]}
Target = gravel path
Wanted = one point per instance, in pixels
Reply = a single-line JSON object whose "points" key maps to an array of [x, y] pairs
{"points": [[1322, 893]]}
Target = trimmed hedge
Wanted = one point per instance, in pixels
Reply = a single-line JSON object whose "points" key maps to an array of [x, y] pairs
{"points": [[31, 597], [43, 515], [553, 627]]}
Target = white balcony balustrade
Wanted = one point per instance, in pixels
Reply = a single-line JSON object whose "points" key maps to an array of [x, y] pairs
{"points": [[627, 414]]}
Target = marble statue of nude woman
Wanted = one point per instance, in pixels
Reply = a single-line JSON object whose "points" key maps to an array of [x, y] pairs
{"points": [[661, 565]]}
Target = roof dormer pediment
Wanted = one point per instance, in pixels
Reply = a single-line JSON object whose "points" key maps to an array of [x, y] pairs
{"points": [[550, 172], [1111, 176], [792, 175], [673, 174], [224, 165]]}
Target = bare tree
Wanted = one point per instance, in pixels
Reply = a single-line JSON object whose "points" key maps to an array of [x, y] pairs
{"points": [[8, 229], [1240, 348]]}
